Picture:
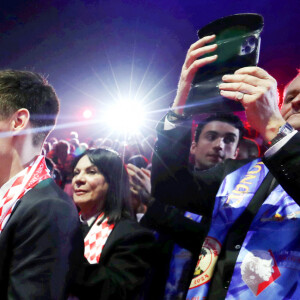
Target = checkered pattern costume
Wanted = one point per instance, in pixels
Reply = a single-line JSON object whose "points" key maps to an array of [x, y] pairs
{"points": [[23, 182], [96, 239]]}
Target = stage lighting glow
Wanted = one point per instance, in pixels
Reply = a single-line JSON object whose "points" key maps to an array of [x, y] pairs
{"points": [[87, 113], [126, 117]]}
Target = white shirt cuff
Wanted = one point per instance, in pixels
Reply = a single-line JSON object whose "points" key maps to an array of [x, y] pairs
{"points": [[169, 125], [272, 150]]}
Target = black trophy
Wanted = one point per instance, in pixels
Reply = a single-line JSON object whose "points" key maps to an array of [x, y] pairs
{"points": [[238, 39]]}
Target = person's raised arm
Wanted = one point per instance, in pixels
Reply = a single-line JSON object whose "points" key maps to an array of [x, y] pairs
{"points": [[257, 91], [171, 181], [193, 62]]}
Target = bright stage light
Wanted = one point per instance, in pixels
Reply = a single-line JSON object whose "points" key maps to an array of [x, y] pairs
{"points": [[87, 113], [126, 117]]}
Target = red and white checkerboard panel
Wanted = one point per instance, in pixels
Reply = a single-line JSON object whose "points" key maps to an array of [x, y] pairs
{"points": [[25, 181], [95, 241]]}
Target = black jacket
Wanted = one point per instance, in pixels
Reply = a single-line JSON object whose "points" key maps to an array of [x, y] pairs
{"points": [[123, 265], [40, 245]]}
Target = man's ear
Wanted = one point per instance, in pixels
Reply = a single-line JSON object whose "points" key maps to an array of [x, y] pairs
{"points": [[193, 147], [20, 120], [236, 152]]}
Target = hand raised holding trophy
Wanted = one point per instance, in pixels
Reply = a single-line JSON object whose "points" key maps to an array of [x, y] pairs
{"points": [[221, 67]]}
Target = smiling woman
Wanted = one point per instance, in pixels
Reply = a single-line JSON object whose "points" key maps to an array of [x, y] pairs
{"points": [[117, 249], [90, 188]]}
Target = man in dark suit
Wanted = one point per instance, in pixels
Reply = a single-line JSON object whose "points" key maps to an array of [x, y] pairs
{"points": [[40, 237], [174, 184], [216, 138]]}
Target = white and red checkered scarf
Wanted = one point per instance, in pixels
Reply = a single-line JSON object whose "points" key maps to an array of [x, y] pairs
{"points": [[96, 239], [22, 183]]}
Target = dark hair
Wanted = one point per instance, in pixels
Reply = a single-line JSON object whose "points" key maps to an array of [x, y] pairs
{"points": [[62, 146], [117, 204], [222, 117], [24, 89]]}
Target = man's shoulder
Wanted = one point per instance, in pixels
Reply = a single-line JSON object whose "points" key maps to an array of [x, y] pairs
{"points": [[44, 199], [230, 165], [44, 209], [221, 170], [46, 190]]}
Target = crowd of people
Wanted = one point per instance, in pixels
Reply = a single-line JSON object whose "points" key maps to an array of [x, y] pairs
{"points": [[204, 214]]}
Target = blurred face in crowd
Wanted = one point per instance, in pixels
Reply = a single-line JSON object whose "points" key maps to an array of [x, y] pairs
{"points": [[89, 187], [248, 149], [290, 109], [217, 141]]}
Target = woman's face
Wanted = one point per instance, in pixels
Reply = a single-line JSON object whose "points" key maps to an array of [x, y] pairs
{"points": [[89, 187]]}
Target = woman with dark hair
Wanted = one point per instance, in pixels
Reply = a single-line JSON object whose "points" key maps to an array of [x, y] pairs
{"points": [[117, 249]]}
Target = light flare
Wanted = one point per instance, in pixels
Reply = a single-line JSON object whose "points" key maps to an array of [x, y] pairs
{"points": [[126, 116]]}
